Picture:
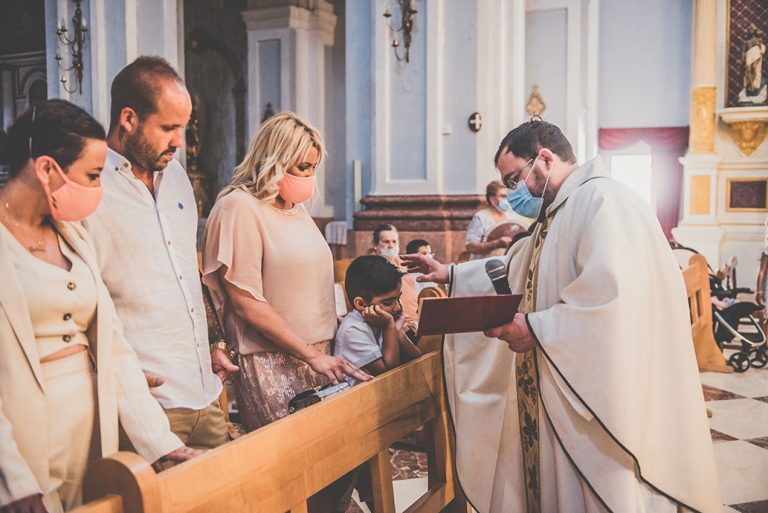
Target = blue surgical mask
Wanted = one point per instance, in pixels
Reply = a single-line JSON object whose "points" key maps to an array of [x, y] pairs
{"points": [[503, 206], [522, 201]]}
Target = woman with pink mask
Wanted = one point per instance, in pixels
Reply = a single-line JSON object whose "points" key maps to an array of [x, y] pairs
{"points": [[66, 373], [270, 272]]}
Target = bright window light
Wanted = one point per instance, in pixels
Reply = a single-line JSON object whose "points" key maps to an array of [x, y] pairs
{"points": [[635, 172]]}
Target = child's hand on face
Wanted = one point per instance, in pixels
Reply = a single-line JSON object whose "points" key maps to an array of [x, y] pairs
{"points": [[376, 316]]}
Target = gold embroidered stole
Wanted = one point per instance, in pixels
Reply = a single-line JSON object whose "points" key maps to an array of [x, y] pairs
{"points": [[527, 383]]}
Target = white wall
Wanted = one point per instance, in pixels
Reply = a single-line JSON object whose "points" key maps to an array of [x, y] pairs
{"points": [[645, 63]]}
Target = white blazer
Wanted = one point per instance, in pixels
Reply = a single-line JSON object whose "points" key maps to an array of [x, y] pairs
{"points": [[122, 390]]}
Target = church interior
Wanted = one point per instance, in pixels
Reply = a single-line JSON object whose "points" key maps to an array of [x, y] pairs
{"points": [[412, 98]]}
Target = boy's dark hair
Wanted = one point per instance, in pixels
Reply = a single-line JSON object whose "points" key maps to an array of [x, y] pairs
{"points": [[526, 140], [59, 130], [370, 276], [382, 228], [138, 85], [414, 245]]}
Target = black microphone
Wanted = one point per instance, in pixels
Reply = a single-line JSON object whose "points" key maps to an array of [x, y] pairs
{"points": [[497, 272]]}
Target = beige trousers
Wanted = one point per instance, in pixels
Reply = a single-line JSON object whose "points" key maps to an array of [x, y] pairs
{"points": [[70, 393]]}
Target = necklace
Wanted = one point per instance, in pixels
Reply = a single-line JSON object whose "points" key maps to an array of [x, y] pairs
{"points": [[39, 245]]}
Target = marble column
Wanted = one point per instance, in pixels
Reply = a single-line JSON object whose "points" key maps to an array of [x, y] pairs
{"points": [[699, 227], [287, 67]]}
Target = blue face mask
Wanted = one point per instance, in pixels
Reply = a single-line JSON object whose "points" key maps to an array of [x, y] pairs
{"points": [[503, 206], [522, 201]]}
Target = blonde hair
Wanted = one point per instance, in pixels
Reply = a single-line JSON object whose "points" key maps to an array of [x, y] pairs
{"points": [[281, 142]]}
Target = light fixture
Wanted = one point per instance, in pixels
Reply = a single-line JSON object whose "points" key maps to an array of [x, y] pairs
{"points": [[407, 17], [75, 45]]}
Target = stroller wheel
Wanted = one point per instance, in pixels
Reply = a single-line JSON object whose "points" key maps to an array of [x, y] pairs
{"points": [[759, 357], [739, 362]]}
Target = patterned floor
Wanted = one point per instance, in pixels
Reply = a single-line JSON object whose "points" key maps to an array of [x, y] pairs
{"points": [[739, 426]]}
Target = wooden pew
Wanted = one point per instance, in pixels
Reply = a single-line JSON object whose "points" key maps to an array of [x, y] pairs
{"points": [[708, 355], [275, 469]]}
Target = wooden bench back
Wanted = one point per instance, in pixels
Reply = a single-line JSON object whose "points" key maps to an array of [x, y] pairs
{"points": [[708, 355], [276, 468]]}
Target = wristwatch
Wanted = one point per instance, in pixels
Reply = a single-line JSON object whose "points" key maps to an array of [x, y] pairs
{"points": [[222, 344]]}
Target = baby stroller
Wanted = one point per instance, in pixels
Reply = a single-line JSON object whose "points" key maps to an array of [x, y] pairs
{"points": [[733, 321]]}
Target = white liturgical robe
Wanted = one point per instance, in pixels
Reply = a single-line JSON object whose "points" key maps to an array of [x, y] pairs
{"points": [[622, 422]]}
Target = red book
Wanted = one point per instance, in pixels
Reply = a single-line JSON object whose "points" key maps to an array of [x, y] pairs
{"points": [[439, 316]]}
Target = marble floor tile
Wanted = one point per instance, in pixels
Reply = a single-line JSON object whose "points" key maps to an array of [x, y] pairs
{"points": [[716, 394], [717, 436], [407, 491], [753, 383], [407, 464], [760, 442], [742, 468], [752, 507], [740, 418]]}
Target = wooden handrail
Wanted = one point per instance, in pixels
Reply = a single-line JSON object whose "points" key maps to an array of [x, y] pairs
{"points": [[276, 468]]}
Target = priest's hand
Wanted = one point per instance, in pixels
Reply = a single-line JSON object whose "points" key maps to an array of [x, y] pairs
{"points": [[516, 334], [432, 270]]}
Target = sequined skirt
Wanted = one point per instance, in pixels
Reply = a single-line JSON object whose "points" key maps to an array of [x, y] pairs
{"points": [[267, 381]]}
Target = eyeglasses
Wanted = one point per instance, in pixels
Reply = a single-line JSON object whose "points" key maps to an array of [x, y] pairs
{"points": [[512, 184]]}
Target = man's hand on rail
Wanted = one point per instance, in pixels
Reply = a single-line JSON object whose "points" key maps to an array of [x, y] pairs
{"points": [[177, 456], [28, 504]]}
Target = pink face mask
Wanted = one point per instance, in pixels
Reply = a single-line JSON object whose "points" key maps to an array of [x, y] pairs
{"points": [[297, 189], [71, 201]]}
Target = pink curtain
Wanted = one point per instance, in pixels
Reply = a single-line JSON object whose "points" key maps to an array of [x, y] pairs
{"points": [[667, 144]]}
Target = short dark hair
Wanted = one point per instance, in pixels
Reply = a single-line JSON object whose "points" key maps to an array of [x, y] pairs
{"points": [[59, 130], [138, 85], [414, 245], [382, 228], [370, 276], [526, 140]]}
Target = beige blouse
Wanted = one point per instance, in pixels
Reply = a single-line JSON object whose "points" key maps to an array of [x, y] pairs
{"points": [[277, 256], [61, 303]]}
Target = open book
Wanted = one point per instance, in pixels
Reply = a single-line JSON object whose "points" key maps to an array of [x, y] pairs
{"points": [[438, 316]]}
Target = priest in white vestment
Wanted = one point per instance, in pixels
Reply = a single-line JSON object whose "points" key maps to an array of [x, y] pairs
{"points": [[598, 406]]}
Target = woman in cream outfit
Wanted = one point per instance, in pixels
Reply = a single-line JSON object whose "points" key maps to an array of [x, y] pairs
{"points": [[66, 373]]}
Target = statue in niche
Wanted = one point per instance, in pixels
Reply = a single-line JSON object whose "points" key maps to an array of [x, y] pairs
{"points": [[194, 137], [755, 91]]}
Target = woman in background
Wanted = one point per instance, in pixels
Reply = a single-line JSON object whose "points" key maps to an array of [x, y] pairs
{"points": [[386, 243], [484, 221]]}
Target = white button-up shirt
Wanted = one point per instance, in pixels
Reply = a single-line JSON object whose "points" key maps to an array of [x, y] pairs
{"points": [[147, 252]]}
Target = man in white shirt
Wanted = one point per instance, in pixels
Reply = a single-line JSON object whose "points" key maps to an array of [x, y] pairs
{"points": [[145, 233]]}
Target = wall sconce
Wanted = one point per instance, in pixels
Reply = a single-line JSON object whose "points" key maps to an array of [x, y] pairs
{"points": [[407, 16], [75, 45]]}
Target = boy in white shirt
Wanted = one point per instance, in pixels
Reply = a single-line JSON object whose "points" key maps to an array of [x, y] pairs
{"points": [[371, 336]]}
